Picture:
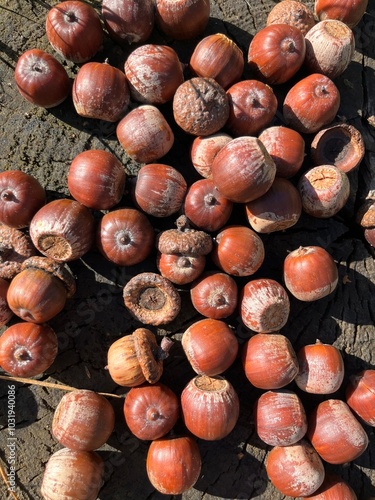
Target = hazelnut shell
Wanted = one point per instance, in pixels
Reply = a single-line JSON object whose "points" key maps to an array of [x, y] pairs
{"points": [[15, 247]]}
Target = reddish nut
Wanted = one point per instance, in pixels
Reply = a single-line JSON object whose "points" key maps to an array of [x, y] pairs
{"points": [[200, 106], [341, 145], [125, 236], [277, 210], [333, 488], [264, 305], [27, 349], [295, 470], [243, 170], [360, 395], [210, 346], [276, 53], [210, 407], [321, 368], [159, 190], [311, 104], [324, 191], [74, 30], [128, 21], [63, 230], [329, 48], [274, 351], [204, 149], [292, 12], [145, 134], [182, 19], [152, 299], [180, 269], [151, 411], [17, 207], [83, 420], [350, 12], [214, 295], [310, 273], [252, 107], [335, 433], [218, 57], [205, 207], [41, 79], [96, 178], [100, 91], [154, 73], [238, 251], [280, 418], [286, 147]]}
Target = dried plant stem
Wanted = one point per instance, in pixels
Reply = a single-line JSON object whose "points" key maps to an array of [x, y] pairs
{"points": [[53, 386], [3, 474]]}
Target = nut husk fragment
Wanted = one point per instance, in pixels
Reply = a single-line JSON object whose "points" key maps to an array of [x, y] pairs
{"points": [[15, 247], [147, 351], [152, 299]]}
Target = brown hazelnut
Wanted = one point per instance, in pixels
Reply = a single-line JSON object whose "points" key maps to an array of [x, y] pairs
{"points": [[200, 106], [152, 299]]}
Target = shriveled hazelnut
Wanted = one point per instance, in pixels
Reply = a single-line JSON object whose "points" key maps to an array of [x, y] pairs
{"points": [[184, 240], [152, 299], [366, 219], [200, 106], [15, 247], [292, 12]]}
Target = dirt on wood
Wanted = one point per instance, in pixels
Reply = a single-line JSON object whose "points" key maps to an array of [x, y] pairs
{"points": [[44, 143]]}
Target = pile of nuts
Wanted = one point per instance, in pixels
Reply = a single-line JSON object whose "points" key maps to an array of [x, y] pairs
{"points": [[246, 162]]}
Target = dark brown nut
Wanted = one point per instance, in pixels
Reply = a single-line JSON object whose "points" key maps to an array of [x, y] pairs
{"points": [[15, 247], [58, 269], [341, 145], [200, 106], [152, 299], [184, 240]]}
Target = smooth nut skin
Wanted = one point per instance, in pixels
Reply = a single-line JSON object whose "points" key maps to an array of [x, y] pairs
{"points": [[41, 79], [63, 230], [74, 30], [274, 351], [329, 48], [83, 420], [360, 395], [182, 19], [96, 178], [17, 207], [217, 56], [286, 147], [310, 273], [243, 170], [173, 464], [311, 104], [276, 53], [151, 411], [292, 12], [200, 106], [128, 21], [180, 269], [295, 470], [145, 134], [335, 432], [333, 488], [341, 145], [154, 73], [204, 149], [125, 236], [73, 474], [321, 368], [280, 418], [210, 346], [210, 407], [252, 107], [100, 91], [264, 305], [348, 11], [27, 349]]}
